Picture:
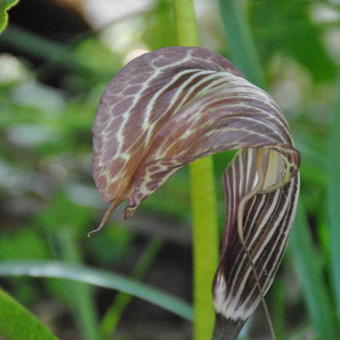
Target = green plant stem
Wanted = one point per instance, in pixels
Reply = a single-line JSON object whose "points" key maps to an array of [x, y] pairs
{"points": [[203, 198], [187, 34], [16, 323], [205, 244], [112, 316]]}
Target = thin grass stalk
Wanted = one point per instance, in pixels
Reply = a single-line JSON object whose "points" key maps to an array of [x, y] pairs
{"points": [[334, 201], [114, 313], [80, 294], [304, 257], [241, 45], [279, 310], [203, 202]]}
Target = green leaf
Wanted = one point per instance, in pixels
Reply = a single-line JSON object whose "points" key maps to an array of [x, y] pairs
{"points": [[241, 45], [334, 200], [309, 269], [5, 5], [286, 27], [100, 278], [16, 323]]}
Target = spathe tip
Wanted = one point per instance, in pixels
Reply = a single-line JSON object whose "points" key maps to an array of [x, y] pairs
{"points": [[94, 231], [106, 217]]}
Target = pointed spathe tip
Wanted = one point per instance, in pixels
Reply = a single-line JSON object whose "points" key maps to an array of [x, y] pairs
{"points": [[106, 217]]}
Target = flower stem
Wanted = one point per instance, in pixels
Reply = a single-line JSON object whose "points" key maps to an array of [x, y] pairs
{"points": [[203, 198], [186, 23]]}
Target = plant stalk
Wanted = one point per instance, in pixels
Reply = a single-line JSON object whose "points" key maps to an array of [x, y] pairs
{"points": [[203, 202]]}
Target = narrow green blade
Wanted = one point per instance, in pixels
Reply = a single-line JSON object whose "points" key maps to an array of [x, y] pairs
{"points": [[100, 278], [304, 258], [80, 295], [240, 42], [114, 313]]}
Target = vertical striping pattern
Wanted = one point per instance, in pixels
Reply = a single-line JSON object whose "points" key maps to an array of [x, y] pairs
{"points": [[172, 106], [267, 219]]}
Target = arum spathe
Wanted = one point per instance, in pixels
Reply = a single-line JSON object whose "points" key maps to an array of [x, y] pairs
{"points": [[169, 107]]}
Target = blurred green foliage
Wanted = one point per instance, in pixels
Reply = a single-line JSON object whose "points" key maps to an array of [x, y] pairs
{"points": [[46, 112], [287, 27]]}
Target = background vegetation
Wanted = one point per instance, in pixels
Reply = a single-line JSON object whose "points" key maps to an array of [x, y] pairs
{"points": [[55, 61]]}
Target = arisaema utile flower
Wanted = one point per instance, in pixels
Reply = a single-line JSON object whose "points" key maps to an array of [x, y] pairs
{"points": [[172, 106]]}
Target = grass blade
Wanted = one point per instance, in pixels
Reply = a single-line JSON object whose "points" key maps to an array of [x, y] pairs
{"points": [[112, 316], [304, 257], [279, 309], [334, 201], [80, 295], [241, 46], [16, 323], [100, 278]]}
